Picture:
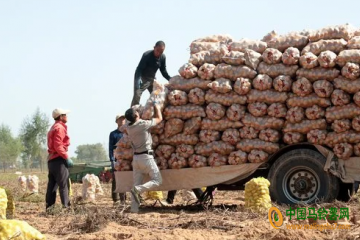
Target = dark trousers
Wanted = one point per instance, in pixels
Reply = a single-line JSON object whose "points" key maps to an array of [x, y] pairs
{"points": [[171, 194], [58, 177], [146, 84], [116, 196]]}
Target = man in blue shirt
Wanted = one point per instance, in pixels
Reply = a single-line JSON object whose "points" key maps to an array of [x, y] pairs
{"points": [[114, 137]]}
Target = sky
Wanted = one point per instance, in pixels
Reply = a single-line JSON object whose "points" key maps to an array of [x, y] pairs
{"points": [[82, 55]]}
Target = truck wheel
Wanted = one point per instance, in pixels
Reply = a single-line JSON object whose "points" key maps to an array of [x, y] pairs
{"points": [[298, 176]]}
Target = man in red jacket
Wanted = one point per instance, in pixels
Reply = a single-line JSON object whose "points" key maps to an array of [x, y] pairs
{"points": [[58, 160]]}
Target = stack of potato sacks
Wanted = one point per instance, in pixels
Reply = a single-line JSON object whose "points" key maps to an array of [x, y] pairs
{"points": [[240, 101]]}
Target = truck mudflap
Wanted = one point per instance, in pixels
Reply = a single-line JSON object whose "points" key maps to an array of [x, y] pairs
{"points": [[190, 178], [347, 170]]}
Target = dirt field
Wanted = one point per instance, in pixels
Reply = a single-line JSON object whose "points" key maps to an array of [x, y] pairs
{"points": [[226, 219]]}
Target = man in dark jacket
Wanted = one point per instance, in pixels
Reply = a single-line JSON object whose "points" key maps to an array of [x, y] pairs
{"points": [[150, 62]]}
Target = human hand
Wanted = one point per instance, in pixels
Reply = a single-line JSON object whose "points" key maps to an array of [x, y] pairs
{"points": [[69, 163]]}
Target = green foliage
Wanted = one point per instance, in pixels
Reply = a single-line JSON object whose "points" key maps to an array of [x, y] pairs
{"points": [[90, 153], [10, 147]]}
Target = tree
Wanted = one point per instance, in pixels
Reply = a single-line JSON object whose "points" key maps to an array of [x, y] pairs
{"points": [[90, 153], [33, 137], [10, 147]]}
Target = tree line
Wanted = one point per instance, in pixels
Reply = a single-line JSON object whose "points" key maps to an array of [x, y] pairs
{"points": [[29, 149]]}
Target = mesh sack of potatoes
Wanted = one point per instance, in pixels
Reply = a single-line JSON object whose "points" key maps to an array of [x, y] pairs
{"points": [[243, 44], [124, 142], [180, 138], [269, 135], [267, 96], [196, 47], [226, 99], [184, 112], [237, 157], [186, 85], [307, 101], [208, 136], [222, 38], [164, 151], [271, 56], [221, 85], [334, 45], [188, 70], [157, 95], [352, 55], [316, 136], [214, 56], [173, 126], [314, 112], [162, 163], [235, 112], [341, 125], [18, 230], [345, 137], [262, 82], [342, 112], [234, 58], [340, 98], [206, 71], [302, 87], [282, 42], [242, 86], [257, 196], [177, 98], [327, 59], [258, 156], [282, 83], [123, 153], [197, 161], [305, 126], [123, 165], [349, 86], [343, 150], [277, 110], [32, 184], [269, 36], [248, 133], [223, 70], [291, 56], [355, 123], [345, 31], [198, 59], [139, 108], [274, 70], [357, 149], [252, 58], [323, 88], [247, 145], [231, 136], [351, 71], [155, 140], [295, 115], [356, 98], [177, 162], [257, 109], [216, 160], [263, 122], [354, 43], [219, 125], [309, 60], [192, 126], [215, 111], [158, 128], [196, 96], [220, 147], [293, 138], [318, 73], [184, 150], [22, 183]]}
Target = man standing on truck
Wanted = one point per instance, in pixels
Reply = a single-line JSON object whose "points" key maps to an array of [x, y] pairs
{"points": [[58, 142], [114, 137], [143, 160], [145, 72]]}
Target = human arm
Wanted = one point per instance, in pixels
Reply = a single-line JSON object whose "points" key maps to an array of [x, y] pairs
{"points": [[111, 147], [59, 147], [158, 115], [163, 69], [139, 70]]}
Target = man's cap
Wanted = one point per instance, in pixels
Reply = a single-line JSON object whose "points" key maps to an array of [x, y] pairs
{"points": [[119, 116], [130, 115], [59, 111]]}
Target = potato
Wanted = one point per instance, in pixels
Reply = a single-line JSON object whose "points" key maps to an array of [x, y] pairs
{"points": [[221, 85], [247, 145], [314, 112], [192, 125], [293, 138], [155, 140], [184, 150], [196, 161], [248, 133], [219, 125], [354, 43], [340, 98], [315, 74], [198, 59], [237, 157], [124, 142], [188, 70], [231, 136], [257, 109], [206, 71], [214, 56], [262, 122], [179, 83], [262, 82], [334, 45], [282, 83], [271, 56], [269, 135], [196, 47], [282, 42], [351, 71], [342, 112], [357, 149], [206, 149], [123, 165], [223, 70], [333, 138], [278, 69], [355, 123], [226, 99], [345, 31], [123, 153], [342, 125], [258, 156], [159, 128], [295, 115], [316, 136], [234, 58], [222, 38], [277, 110], [302, 87], [242, 86], [309, 60], [243, 44], [215, 111], [235, 112], [177, 162], [352, 55], [164, 151], [343, 150], [162, 163], [323, 88], [349, 86], [216, 160], [208, 136], [177, 98], [192, 139], [268, 96], [291, 56], [184, 112], [252, 58], [327, 59], [196, 96], [307, 101], [305, 126]]}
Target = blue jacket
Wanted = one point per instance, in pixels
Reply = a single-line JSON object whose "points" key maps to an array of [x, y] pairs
{"points": [[114, 137]]}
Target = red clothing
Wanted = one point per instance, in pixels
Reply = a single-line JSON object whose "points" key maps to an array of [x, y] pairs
{"points": [[58, 141]]}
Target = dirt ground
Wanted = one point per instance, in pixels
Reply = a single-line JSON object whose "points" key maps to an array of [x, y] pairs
{"points": [[226, 219]]}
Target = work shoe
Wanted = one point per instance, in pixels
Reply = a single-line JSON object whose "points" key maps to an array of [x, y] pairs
{"points": [[135, 194]]}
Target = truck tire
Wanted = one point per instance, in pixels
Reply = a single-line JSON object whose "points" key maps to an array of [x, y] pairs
{"points": [[298, 176]]}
